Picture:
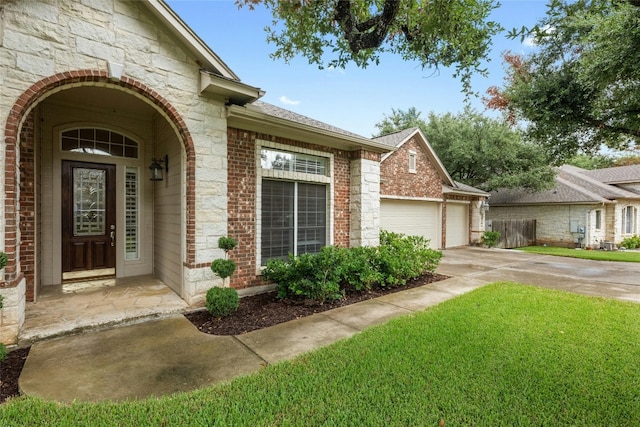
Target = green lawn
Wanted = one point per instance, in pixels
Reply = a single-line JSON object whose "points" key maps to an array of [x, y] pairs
{"points": [[597, 255], [502, 355]]}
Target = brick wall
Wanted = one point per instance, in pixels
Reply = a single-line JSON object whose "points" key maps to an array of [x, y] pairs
{"points": [[241, 220], [27, 214], [396, 180]]}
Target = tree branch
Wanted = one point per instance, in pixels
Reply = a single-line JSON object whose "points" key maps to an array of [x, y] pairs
{"points": [[599, 124], [370, 33]]}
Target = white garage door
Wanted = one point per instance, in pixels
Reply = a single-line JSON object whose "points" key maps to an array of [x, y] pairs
{"points": [[413, 218], [457, 224]]}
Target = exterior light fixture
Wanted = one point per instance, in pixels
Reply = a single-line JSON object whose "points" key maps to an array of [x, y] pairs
{"points": [[156, 167], [485, 205]]}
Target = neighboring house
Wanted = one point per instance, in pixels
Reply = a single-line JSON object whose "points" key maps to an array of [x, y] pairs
{"points": [[417, 195], [93, 93], [586, 207]]}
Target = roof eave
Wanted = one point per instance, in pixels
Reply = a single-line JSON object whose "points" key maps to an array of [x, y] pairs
{"points": [[465, 193], [234, 91], [592, 202], [245, 118]]}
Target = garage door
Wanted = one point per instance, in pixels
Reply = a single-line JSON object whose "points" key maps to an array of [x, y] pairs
{"points": [[457, 224], [412, 218]]}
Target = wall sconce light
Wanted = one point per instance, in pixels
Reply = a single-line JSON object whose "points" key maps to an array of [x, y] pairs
{"points": [[485, 205], [156, 167]]}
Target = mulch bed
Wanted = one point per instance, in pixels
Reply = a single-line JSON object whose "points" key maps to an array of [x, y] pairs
{"points": [[255, 312], [264, 310], [10, 369]]}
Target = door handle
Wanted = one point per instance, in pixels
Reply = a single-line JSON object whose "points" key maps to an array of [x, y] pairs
{"points": [[113, 238]]}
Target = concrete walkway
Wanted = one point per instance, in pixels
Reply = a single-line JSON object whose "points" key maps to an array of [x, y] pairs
{"points": [[169, 355]]}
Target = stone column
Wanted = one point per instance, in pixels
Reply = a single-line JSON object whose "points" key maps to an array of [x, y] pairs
{"points": [[365, 199]]}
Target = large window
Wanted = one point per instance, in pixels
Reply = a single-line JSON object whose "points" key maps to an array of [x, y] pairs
{"points": [[294, 213], [629, 215], [294, 218]]}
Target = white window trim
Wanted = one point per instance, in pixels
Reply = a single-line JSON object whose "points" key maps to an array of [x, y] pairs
{"points": [[291, 176], [413, 162], [634, 220], [598, 227]]}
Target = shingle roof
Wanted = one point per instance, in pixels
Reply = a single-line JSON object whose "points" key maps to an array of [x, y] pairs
{"points": [[461, 188], [573, 185], [281, 113], [396, 138], [617, 175]]}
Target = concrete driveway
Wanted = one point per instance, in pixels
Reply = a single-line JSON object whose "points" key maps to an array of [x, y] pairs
{"points": [[619, 280]]}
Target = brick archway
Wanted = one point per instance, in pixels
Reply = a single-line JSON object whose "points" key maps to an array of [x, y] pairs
{"points": [[18, 114]]}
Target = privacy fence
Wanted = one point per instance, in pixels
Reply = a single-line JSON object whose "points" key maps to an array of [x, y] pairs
{"points": [[514, 233]]}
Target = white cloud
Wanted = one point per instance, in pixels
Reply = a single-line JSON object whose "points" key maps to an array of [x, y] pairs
{"points": [[332, 69], [531, 42], [287, 101]]}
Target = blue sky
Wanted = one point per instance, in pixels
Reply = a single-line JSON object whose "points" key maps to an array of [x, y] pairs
{"points": [[353, 99]]}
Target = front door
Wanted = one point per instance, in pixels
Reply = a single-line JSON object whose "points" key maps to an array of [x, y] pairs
{"points": [[88, 217]]}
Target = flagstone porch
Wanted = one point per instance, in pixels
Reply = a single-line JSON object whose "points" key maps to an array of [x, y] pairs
{"points": [[76, 307]]}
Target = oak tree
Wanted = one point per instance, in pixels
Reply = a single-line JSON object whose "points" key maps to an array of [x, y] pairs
{"points": [[334, 33], [580, 88]]}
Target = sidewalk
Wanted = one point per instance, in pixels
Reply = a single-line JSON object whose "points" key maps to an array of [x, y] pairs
{"points": [[170, 355]]}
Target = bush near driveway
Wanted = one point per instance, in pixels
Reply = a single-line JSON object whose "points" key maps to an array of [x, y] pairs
{"points": [[334, 271]]}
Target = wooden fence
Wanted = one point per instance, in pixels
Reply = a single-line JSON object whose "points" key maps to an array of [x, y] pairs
{"points": [[515, 233]]}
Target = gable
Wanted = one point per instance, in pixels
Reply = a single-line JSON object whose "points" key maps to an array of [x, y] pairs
{"points": [[398, 180]]}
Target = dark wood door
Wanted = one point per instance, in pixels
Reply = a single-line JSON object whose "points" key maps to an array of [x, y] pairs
{"points": [[88, 216]]}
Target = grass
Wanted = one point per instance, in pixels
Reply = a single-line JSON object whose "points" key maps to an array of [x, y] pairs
{"points": [[502, 355], [596, 255]]}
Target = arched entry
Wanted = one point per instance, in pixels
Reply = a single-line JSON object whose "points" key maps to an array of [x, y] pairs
{"points": [[88, 99]]}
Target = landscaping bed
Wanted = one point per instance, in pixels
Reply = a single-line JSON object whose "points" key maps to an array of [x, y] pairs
{"points": [[264, 310]]}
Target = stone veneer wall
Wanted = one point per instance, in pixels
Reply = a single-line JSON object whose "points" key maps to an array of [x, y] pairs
{"points": [[42, 43], [552, 221], [365, 199], [242, 194]]}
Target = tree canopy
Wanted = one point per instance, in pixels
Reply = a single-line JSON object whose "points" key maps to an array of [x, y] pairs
{"points": [[477, 150], [581, 87], [333, 33]]}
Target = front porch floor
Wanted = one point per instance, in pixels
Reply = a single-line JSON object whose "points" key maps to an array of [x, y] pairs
{"points": [[67, 309]]}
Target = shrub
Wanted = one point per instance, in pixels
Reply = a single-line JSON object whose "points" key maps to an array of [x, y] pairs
{"points": [[359, 271], [222, 302], [401, 258], [227, 243], [334, 271], [490, 238], [3, 260], [224, 267], [309, 276], [632, 242]]}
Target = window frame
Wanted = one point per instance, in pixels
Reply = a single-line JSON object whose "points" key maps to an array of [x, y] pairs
{"points": [[629, 220], [282, 175], [598, 220], [413, 162]]}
